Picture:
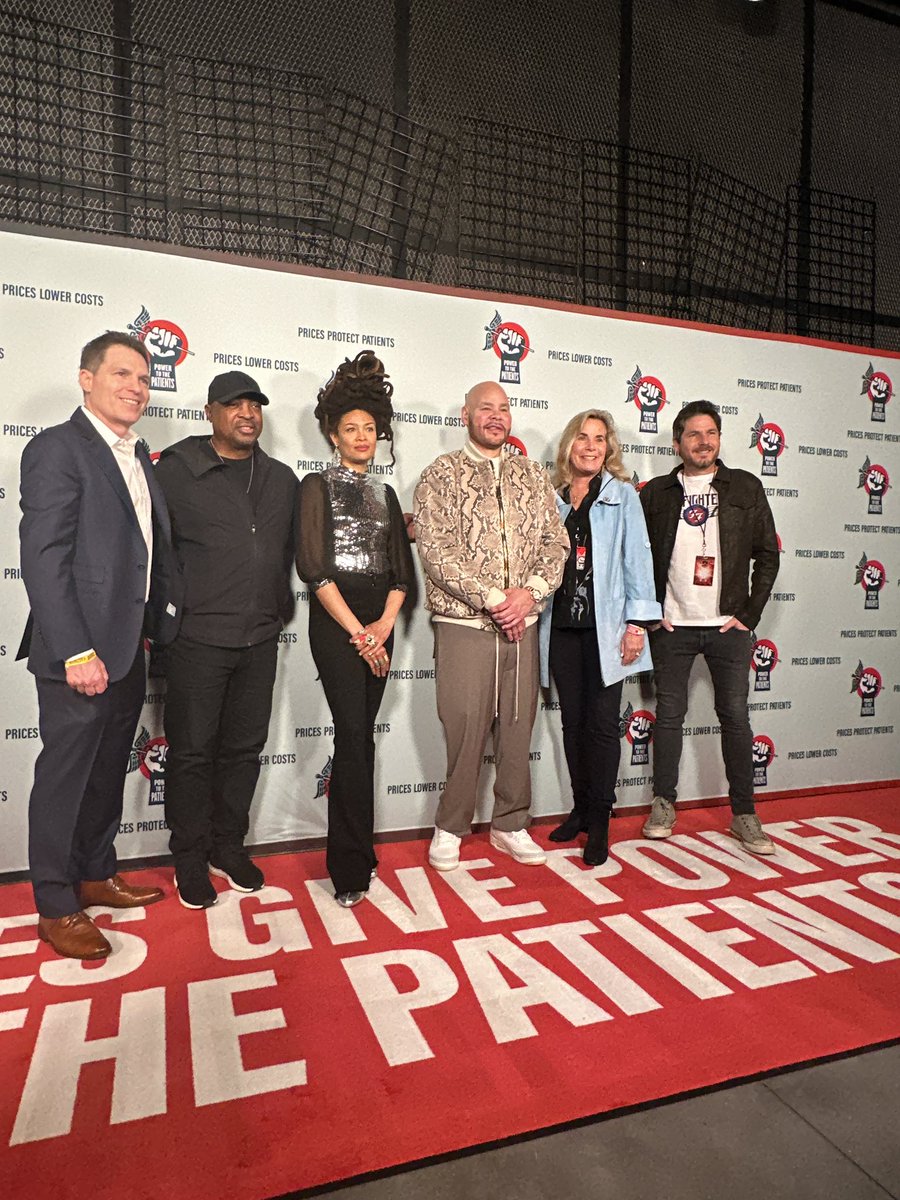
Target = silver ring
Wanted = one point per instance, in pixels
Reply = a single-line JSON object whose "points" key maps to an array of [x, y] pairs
{"points": [[370, 639]]}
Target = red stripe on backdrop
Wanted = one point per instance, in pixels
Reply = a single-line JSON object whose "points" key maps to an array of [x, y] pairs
{"points": [[279, 1042]]}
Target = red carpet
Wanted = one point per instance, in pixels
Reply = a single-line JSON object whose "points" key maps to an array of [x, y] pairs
{"points": [[278, 1042]]}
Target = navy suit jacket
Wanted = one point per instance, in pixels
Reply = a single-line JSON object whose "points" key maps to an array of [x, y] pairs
{"points": [[84, 559]]}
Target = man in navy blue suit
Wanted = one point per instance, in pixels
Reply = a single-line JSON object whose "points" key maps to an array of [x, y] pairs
{"points": [[98, 568]]}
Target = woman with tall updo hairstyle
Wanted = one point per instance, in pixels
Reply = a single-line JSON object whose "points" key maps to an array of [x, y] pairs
{"points": [[353, 551], [593, 633]]}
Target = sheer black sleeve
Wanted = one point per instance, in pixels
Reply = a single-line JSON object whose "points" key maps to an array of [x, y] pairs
{"points": [[315, 540], [399, 552]]}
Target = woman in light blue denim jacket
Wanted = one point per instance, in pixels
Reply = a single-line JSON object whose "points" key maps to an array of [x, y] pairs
{"points": [[592, 631]]}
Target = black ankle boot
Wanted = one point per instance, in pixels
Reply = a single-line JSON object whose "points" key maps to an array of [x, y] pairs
{"points": [[569, 830], [596, 852]]}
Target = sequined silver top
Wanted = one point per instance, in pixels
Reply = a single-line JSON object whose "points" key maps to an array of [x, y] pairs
{"points": [[360, 521], [351, 523]]}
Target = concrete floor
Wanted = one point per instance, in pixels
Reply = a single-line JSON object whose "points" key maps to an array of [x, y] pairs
{"points": [[828, 1132]]}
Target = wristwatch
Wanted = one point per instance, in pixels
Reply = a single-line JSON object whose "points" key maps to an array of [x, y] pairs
{"points": [[536, 595]]}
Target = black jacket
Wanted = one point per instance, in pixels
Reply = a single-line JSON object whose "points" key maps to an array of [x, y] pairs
{"points": [[746, 534], [235, 550]]}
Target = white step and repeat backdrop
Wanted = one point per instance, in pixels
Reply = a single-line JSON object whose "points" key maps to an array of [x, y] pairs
{"points": [[818, 424]]}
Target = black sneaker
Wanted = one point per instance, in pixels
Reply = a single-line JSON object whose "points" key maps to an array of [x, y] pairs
{"points": [[238, 868], [194, 887]]}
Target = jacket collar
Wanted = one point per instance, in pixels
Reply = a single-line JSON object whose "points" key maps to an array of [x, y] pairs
{"points": [[106, 460], [496, 463], [200, 458], [604, 493], [85, 427], [722, 473]]}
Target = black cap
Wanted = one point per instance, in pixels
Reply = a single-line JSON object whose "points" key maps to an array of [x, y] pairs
{"points": [[233, 385]]}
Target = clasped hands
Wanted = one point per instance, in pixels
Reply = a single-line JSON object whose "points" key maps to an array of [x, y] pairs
{"points": [[509, 616], [369, 644]]}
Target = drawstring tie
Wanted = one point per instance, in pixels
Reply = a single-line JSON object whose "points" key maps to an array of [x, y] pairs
{"points": [[496, 674], [516, 708], [497, 636]]}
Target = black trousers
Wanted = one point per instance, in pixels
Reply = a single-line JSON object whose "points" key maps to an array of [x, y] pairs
{"points": [[354, 696], [590, 720], [79, 776], [728, 658], [218, 704]]}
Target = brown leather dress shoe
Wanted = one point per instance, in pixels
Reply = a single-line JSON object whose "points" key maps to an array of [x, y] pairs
{"points": [[75, 936], [116, 893]]}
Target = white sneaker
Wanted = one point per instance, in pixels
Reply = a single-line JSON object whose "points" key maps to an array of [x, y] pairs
{"points": [[520, 845], [443, 853]]}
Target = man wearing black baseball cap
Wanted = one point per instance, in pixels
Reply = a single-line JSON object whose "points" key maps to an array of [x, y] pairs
{"points": [[232, 510]]}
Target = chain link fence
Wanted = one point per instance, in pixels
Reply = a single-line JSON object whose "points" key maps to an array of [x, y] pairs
{"points": [[518, 211], [249, 160], [731, 264], [705, 159], [636, 221]]}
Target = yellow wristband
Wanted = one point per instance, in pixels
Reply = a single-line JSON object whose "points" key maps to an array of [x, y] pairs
{"points": [[81, 659]]}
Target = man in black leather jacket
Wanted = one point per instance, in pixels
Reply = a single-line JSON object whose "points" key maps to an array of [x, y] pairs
{"points": [[715, 558]]}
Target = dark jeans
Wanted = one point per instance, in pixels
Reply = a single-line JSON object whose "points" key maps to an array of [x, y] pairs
{"points": [[354, 696], [79, 776], [590, 720], [728, 658], [218, 703]]}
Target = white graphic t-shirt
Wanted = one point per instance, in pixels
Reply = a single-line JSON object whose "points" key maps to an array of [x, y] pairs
{"points": [[694, 583]]}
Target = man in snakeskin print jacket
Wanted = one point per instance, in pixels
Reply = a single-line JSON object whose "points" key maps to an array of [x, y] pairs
{"points": [[492, 547]]}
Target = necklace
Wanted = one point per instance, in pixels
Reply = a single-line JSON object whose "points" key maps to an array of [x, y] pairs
{"points": [[222, 461]]}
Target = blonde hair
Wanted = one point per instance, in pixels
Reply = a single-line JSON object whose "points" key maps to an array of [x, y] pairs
{"points": [[562, 472]]}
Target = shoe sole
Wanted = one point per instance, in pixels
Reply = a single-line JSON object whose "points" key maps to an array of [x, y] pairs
{"points": [[443, 866], [196, 907], [530, 861], [759, 852], [656, 834], [187, 904], [220, 874], [120, 903]]}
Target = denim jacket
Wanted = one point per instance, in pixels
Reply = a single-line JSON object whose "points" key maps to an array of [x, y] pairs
{"points": [[622, 579]]}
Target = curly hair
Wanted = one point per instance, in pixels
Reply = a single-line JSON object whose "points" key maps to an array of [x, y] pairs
{"points": [[562, 471], [357, 384]]}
